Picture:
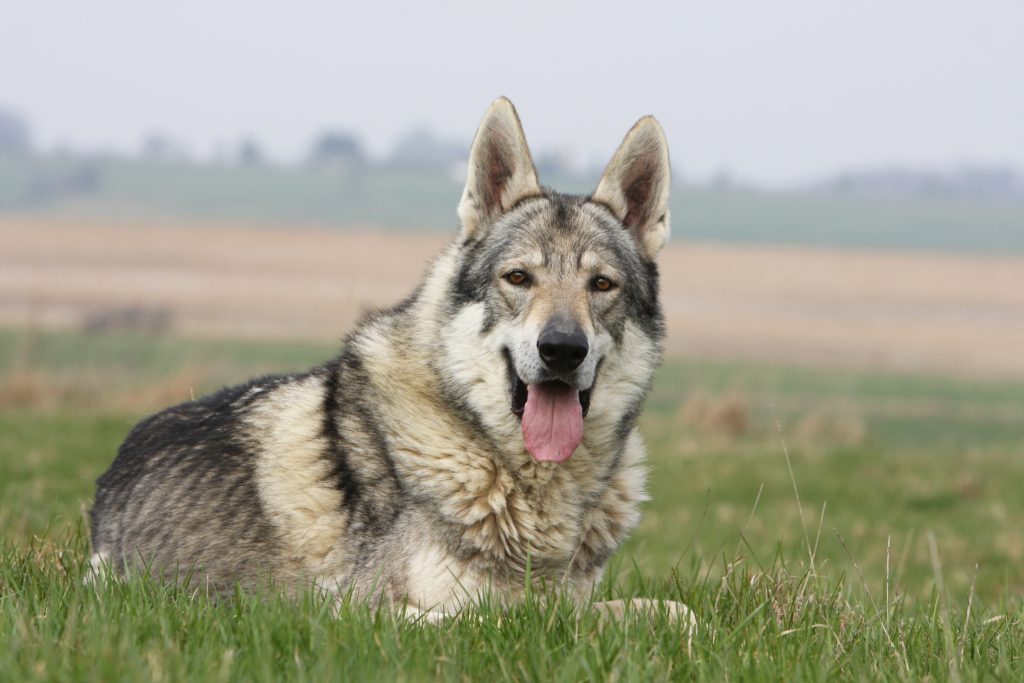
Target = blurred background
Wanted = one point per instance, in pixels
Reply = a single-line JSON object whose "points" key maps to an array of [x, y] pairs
{"points": [[196, 192]]}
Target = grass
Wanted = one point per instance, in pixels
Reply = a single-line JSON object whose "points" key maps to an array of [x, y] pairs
{"points": [[754, 626], [909, 487]]}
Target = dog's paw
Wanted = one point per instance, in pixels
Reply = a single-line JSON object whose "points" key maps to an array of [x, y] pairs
{"points": [[431, 617], [678, 614], [99, 569]]}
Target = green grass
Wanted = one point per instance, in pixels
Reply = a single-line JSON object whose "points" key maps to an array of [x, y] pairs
{"points": [[417, 201], [753, 626], [897, 462]]}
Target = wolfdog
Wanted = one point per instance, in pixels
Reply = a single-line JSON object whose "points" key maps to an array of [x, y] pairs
{"points": [[481, 432]]}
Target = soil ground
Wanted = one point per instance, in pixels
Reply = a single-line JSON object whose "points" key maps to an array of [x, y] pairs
{"points": [[907, 311]]}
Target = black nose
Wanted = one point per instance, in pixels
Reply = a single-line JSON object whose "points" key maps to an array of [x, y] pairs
{"points": [[562, 347]]}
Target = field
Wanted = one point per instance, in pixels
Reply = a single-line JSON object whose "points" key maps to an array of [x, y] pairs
{"points": [[907, 563], [906, 311], [836, 440], [411, 201]]}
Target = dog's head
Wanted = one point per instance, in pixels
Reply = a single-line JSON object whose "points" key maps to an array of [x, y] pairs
{"points": [[563, 280]]}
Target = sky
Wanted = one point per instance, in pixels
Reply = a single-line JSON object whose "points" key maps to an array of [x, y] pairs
{"points": [[776, 91]]}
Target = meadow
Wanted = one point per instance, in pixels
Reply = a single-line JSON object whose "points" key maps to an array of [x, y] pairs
{"points": [[112, 188], [824, 524]]}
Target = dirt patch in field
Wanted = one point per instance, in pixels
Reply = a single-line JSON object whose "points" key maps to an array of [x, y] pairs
{"points": [[883, 309]]}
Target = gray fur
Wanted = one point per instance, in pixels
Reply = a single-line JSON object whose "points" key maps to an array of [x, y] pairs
{"points": [[398, 469]]}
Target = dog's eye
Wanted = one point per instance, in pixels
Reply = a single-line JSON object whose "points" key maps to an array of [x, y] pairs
{"points": [[517, 278], [602, 284]]}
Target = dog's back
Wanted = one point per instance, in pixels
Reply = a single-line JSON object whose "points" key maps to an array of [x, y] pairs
{"points": [[286, 478], [182, 496]]}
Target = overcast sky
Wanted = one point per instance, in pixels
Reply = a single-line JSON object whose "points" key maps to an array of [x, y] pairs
{"points": [[774, 91]]}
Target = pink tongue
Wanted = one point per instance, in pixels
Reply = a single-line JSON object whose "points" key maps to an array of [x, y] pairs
{"points": [[552, 421]]}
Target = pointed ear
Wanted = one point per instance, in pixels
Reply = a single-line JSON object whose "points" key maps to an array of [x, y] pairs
{"points": [[635, 185], [500, 169]]}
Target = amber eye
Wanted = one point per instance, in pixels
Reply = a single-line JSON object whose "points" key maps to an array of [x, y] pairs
{"points": [[518, 278], [602, 284]]}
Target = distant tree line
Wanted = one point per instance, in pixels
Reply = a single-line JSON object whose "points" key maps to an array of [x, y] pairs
{"points": [[418, 150], [423, 150], [15, 134], [332, 150], [968, 181]]}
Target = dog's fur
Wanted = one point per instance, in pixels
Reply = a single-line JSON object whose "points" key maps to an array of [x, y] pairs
{"points": [[399, 470]]}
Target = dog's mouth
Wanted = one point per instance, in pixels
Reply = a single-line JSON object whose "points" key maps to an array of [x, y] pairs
{"points": [[552, 414]]}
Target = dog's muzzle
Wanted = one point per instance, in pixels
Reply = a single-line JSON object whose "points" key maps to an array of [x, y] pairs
{"points": [[520, 392]]}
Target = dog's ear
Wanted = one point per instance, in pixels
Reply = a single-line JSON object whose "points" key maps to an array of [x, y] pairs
{"points": [[635, 185], [500, 170]]}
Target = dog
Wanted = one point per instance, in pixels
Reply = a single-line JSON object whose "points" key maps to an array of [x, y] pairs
{"points": [[481, 433]]}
